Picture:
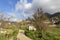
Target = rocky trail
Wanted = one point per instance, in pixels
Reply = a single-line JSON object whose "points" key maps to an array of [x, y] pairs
{"points": [[21, 36]]}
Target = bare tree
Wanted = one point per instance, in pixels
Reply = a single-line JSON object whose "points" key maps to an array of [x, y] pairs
{"points": [[38, 21]]}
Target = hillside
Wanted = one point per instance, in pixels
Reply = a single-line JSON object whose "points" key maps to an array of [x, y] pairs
{"points": [[56, 15], [53, 15]]}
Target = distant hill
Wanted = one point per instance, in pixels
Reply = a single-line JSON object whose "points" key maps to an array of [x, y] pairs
{"points": [[56, 15], [53, 15]]}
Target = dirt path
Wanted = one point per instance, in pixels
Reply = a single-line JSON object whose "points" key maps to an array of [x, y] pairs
{"points": [[21, 36]]}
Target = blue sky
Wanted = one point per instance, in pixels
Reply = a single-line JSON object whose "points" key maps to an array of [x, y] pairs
{"points": [[8, 7], [22, 9]]}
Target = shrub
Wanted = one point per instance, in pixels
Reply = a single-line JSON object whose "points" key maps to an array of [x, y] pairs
{"points": [[35, 35]]}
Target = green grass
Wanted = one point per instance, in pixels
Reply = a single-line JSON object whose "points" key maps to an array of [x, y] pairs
{"points": [[11, 32], [52, 33], [55, 30]]}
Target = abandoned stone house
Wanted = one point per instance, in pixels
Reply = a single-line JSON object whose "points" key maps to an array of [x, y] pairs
{"points": [[57, 23]]}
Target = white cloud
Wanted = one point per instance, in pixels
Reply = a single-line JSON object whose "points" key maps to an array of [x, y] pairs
{"points": [[50, 6], [19, 7], [27, 9], [28, 6], [24, 7]]}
